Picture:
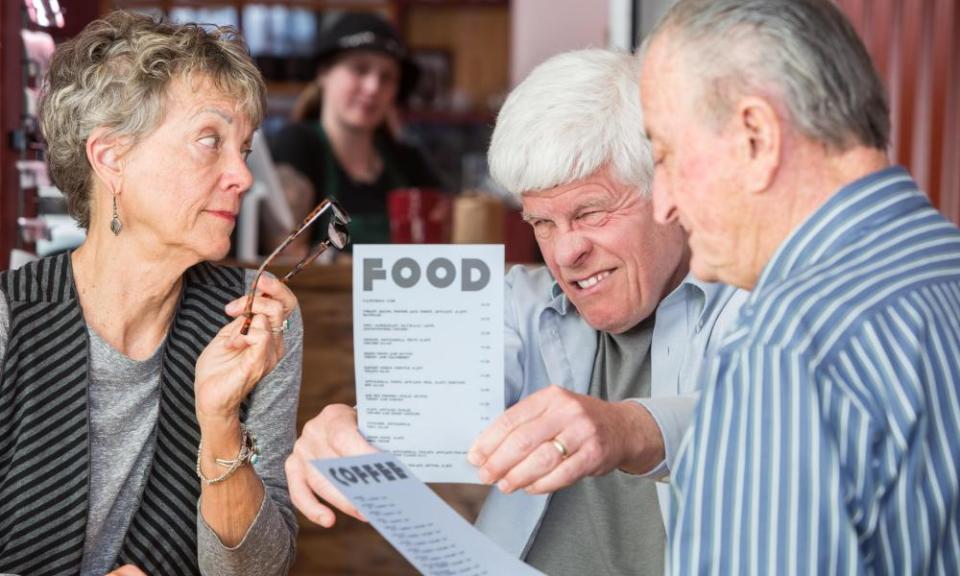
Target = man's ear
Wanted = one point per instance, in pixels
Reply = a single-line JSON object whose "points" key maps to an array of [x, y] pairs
{"points": [[759, 124], [105, 155]]}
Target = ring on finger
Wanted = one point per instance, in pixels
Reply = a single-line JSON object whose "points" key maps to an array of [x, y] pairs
{"points": [[561, 447], [283, 327]]}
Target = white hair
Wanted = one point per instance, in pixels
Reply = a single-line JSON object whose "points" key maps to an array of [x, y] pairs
{"points": [[806, 50], [575, 114]]}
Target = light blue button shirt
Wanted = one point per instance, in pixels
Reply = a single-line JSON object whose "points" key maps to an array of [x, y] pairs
{"points": [[547, 342], [826, 440]]}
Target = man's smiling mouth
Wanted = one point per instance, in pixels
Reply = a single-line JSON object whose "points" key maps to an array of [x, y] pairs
{"points": [[593, 280]]}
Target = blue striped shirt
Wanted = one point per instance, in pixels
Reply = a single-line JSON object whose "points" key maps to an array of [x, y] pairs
{"points": [[827, 438]]}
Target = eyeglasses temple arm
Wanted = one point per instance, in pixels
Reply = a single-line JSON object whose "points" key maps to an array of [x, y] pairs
{"points": [[314, 214], [302, 263]]}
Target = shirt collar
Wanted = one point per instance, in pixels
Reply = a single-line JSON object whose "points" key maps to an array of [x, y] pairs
{"points": [[869, 201], [558, 299], [702, 298], [711, 297]]}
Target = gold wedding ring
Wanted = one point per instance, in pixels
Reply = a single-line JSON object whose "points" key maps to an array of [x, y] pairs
{"points": [[561, 448]]}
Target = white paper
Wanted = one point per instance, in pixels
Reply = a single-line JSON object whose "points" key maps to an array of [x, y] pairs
{"points": [[421, 526], [428, 350]]}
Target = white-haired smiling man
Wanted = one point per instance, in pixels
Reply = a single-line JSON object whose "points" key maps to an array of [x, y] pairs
{"points": [[601, 347]]}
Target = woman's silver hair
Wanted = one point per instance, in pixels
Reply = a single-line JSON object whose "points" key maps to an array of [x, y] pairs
{"points": [[805, 51], [116, 74], [575, 114]]}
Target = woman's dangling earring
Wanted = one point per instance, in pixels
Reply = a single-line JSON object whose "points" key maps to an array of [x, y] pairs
{"points": [[115, 224]]}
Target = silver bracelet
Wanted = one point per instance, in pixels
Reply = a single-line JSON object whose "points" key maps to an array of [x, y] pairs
{"points": [[249, 452]]}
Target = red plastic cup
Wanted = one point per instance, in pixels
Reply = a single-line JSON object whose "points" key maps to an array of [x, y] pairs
{"points": [[419, 216]]}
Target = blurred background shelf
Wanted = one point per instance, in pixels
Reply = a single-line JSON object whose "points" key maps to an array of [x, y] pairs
{"points": [[462, 46]]}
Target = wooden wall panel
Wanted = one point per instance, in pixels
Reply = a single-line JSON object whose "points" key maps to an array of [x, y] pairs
{"points": [[950, 201], [947, 49], [940, 24], [915, 45], [877, 30], [478, 38]]}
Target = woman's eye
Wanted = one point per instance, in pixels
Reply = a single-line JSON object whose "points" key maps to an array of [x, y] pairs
{"points": [[212, 141], [246, 152]]}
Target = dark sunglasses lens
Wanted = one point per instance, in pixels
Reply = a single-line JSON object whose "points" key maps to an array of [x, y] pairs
{"points": [[339, 213], [338, 234]]}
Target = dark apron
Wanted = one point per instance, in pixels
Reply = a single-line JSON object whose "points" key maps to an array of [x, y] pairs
{"points": [[368, 227]]}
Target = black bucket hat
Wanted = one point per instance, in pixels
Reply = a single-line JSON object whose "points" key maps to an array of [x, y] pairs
{"points": [[365, 31]]}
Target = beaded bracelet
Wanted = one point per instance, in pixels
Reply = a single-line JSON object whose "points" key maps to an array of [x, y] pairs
{"points": [[249, 452]]}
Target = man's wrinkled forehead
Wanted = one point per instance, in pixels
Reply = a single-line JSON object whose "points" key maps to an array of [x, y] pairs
{"points": [[600, 190], [654, 59], [662, 64]]}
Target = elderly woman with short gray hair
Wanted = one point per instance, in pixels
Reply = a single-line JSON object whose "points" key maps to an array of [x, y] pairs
{"points": [[140, 428]]}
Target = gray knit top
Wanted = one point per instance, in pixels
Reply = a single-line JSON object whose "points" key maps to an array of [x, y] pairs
{"points": [[124, 404]]}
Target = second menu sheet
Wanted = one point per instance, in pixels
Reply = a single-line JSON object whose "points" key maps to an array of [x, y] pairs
{"points": [[428, 351]]}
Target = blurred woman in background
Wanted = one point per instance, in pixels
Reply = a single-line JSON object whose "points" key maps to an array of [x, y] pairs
{"points": [[340, 144]]}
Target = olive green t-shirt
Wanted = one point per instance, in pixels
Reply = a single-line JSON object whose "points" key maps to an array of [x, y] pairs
{"points": [[610, 525]]}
